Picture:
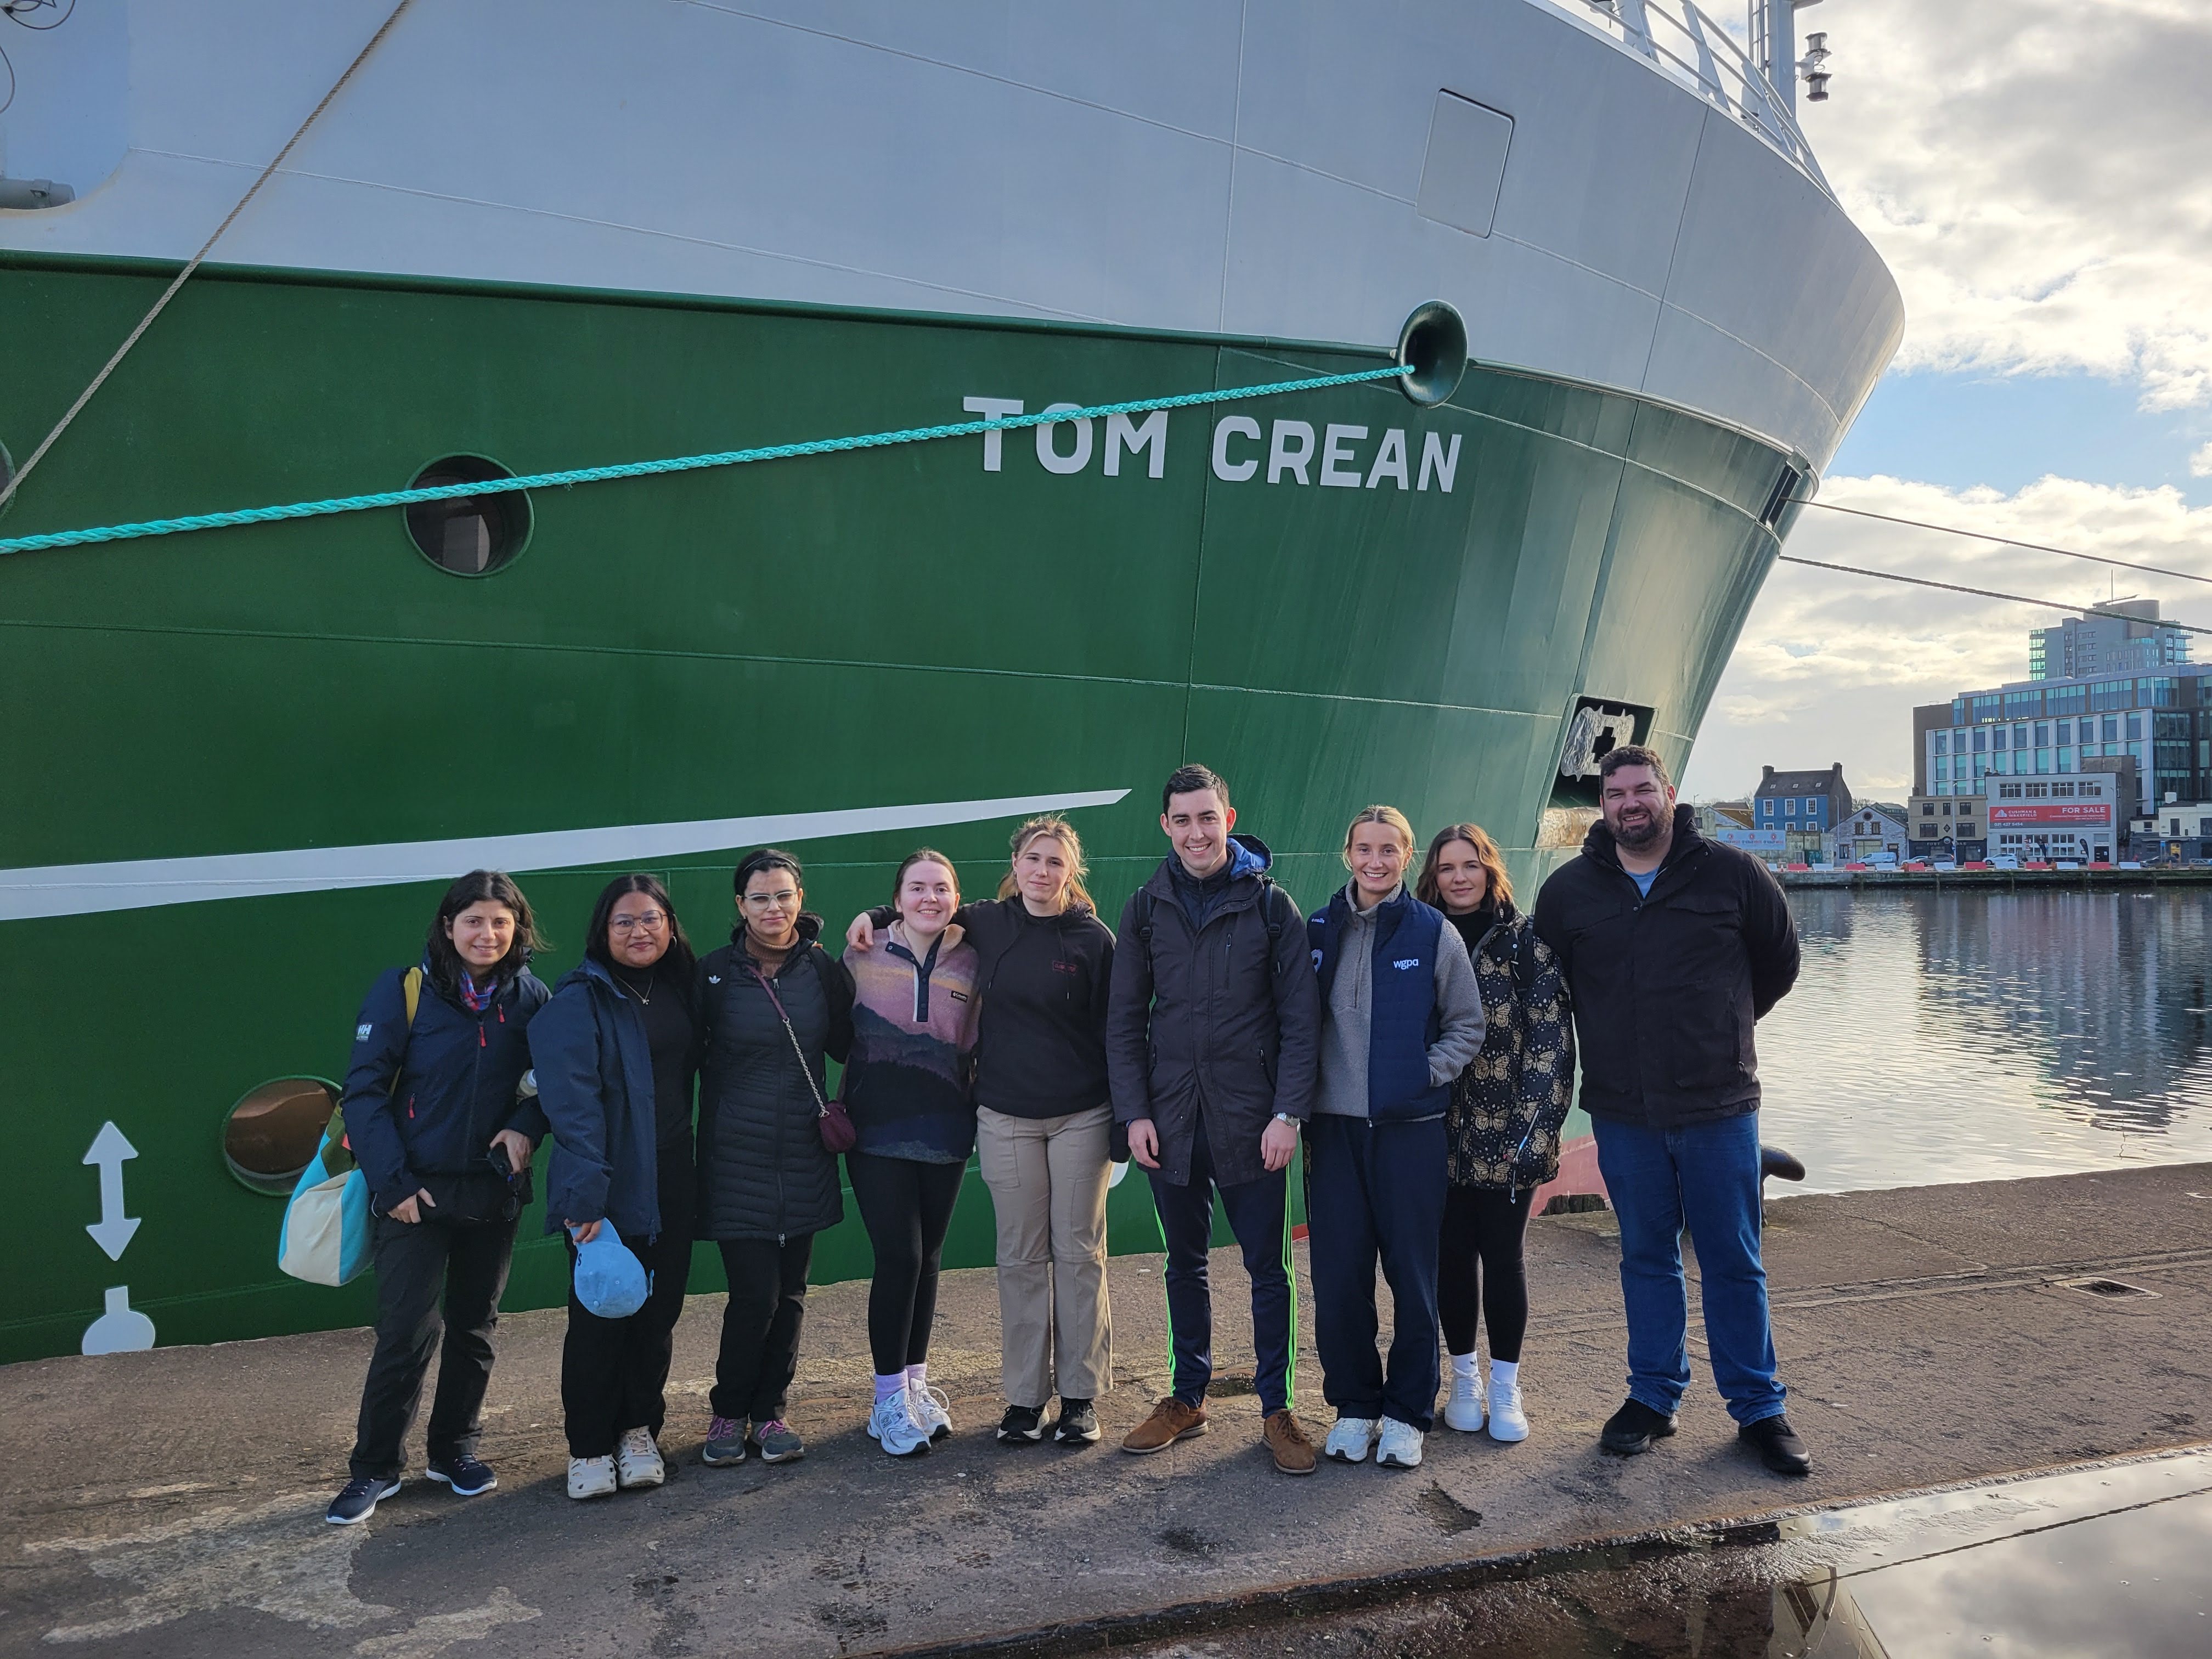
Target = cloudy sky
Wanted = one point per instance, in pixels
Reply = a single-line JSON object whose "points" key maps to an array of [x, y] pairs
{"points": [[2038, 176]]}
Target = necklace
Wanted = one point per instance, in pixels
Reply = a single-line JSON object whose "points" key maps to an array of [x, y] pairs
{"points": [[636, 990]]}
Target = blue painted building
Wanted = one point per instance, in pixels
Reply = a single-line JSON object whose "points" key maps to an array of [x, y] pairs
{"points": [[1808, 804]]}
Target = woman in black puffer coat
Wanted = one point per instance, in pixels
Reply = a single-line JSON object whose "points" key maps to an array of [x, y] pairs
{"points": [[1503, 1123], [771, 1004]]}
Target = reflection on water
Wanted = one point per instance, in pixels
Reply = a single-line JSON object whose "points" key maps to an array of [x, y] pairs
{"points": [[2105, 1560], [1964, 1037]]}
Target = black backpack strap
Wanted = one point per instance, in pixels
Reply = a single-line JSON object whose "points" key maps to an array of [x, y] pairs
{"points": [[1270, 911]]}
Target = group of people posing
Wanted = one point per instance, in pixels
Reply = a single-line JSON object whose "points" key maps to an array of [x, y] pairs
{"points": [[1417, 1034]]}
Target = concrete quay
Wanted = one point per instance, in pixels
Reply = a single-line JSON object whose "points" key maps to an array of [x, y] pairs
{"points": [[169, 1502]]}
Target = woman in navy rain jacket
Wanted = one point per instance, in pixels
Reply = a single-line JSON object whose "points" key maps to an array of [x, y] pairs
{"points": [[432, 1113], [615, 1053]]}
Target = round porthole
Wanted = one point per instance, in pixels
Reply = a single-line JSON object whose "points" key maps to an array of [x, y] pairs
{"points": [[468, 535], [271, 1133]]}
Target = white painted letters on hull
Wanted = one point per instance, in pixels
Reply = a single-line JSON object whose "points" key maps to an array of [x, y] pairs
{"points": [[1335, 458]]}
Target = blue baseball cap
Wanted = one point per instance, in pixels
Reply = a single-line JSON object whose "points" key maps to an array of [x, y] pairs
{"points": [[611, 1281]]}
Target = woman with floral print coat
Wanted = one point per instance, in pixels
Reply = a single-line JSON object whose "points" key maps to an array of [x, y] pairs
{"points": [[1504, 1125]]}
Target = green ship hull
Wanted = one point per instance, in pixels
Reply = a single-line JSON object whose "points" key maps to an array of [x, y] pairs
{"points": [[890, 628]]}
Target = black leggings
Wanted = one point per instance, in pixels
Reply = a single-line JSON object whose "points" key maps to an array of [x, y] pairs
{"points": [[906, 1207], [1484, 1224]]}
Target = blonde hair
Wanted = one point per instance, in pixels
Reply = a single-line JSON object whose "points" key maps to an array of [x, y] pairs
{"points": [[1500, 890], [1389, 815], [1072, 891]]}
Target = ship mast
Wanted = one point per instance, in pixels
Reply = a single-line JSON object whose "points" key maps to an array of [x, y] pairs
{"points": [[1774, 51]]}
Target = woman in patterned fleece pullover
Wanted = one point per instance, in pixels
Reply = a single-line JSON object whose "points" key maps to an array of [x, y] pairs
{"points": [[907, 1088]]}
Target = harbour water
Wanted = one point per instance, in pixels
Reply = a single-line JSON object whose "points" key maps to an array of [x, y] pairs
{"points": [[1947, 1036]]}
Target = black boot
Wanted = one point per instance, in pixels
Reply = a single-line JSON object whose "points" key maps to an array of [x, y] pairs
{"points": [[1778, 1445], [1633, 1428]]}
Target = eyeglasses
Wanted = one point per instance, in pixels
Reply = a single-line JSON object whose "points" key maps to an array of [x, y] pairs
{"points": [[762, 901], [649, 921]]}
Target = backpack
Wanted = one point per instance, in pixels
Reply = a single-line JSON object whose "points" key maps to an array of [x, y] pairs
{"points": [[326, 1236], [1270, 912]]}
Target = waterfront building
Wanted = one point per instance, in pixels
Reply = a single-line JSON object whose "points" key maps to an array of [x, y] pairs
{"points": [[1952, 827], [1805, 807], [2178, 833], [1875, 830], [2152, 731], [1717, 816], [2046, 820], [2123, 637]]}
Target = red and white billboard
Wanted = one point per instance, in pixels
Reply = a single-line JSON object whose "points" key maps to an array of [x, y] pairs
{"points": [[2054, 814]]}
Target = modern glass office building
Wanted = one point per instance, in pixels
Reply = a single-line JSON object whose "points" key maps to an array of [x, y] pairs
{"points": [[2123, 637], [2162, 722]]}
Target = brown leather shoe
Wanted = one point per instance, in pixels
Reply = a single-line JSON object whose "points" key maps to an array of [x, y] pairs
{"points": [[1171, 1421], [1286, 1439]]}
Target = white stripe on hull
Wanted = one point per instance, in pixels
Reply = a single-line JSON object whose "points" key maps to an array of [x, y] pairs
{"points": [[79, 889]]}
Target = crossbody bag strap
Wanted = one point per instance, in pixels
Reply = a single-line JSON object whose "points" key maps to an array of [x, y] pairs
{"points": [[821, 1106]]}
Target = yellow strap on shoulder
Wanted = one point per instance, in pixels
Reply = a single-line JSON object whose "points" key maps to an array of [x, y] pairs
{"points": [[410, 987]]}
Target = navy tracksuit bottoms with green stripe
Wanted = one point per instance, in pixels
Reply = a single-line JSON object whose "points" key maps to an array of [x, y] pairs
{"points": [[1258, 1216], [1375, 1191]]}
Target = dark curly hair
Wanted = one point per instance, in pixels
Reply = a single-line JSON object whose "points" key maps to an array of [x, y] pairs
{"points": [[480, 887]]}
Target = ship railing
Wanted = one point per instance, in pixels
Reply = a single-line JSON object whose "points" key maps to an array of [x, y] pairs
{"points": [[1686, 43]]}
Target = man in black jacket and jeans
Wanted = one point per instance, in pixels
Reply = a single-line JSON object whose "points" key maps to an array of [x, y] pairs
{"points": [[1212, 1034], [1674, 946]]}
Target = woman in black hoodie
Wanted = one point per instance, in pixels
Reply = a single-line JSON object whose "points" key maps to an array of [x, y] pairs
{"points": [[771, 1004], [1044, 1126]]}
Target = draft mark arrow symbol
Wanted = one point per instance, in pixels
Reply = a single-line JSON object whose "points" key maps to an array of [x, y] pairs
{"points": [[112, 1232]]}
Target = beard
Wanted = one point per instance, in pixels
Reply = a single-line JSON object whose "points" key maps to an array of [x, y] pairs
{"points": [[1637, 832]]}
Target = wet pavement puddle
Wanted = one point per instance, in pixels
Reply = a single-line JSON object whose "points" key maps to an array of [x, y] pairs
{"points": [[2111, 1560]]}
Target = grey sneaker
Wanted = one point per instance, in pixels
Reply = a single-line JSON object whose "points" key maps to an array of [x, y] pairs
{"points": [[360, 1498], [776, 1442], [726, 1442]]}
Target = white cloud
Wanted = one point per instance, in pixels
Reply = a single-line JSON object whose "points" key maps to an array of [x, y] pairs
{"points": [[2200, 464], [2036, 175], [1830, 666]]}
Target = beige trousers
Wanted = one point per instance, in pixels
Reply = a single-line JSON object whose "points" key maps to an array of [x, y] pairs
{"points": [[1048, 1180]]}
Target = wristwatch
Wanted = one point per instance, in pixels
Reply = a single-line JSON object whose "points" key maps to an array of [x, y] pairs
{"points": [[1284, 1117]]}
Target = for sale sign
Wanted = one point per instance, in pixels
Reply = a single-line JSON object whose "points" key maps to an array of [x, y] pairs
{"points": [[2052, 814]]}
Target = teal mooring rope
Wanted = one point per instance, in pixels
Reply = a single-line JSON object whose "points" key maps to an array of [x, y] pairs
{"points": [[121, 532]]}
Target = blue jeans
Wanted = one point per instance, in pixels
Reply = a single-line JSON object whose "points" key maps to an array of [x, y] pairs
{"points": [[1706, 1175]]}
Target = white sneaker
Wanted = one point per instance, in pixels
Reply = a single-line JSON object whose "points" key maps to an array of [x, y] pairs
{"points": [[591, 1477], [637, 1461], [1507, 1422], [1401, 1445], [1350, 1440], [1463, 1410], [893, 1425], [929, 1405]]}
